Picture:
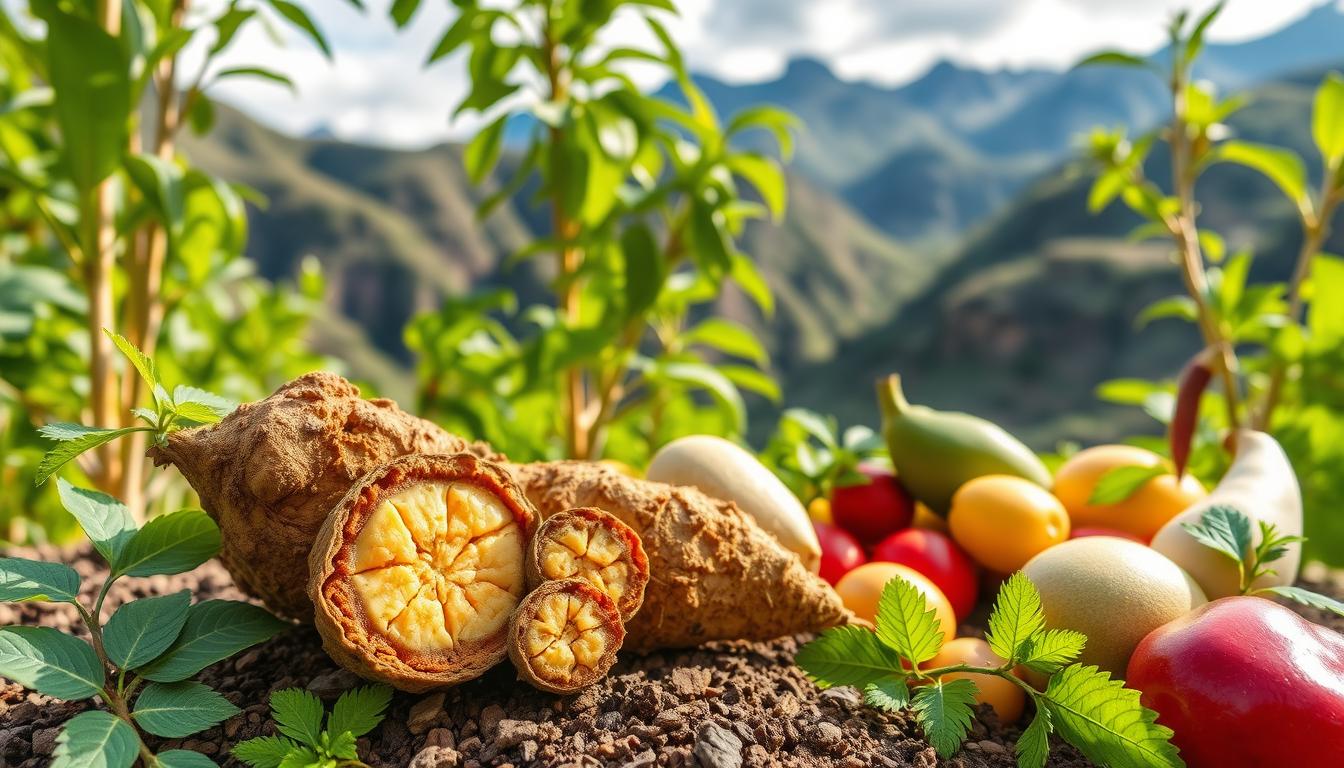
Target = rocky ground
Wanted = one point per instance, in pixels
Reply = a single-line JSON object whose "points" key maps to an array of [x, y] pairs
{"points": [[726, 705]]}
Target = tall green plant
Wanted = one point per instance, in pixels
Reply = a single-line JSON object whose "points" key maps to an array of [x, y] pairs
{"points": [[645, 204]]}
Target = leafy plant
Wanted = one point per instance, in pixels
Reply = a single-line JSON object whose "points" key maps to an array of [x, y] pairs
{"points": [[645, 199], [808, 452], [1227, 531], [139, 663], [305, 740], [1082, 704]]}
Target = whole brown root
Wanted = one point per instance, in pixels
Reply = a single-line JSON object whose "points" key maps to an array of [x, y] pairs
{"points": [[271, 471], [418, 568], [591, 545], [565, 635], [714, 574]]}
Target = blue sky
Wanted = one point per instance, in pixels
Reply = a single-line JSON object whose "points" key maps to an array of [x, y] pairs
{"points": [[376, 90]]}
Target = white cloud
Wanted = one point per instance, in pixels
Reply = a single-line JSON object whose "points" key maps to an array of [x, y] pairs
{"points": [[378, 90]]}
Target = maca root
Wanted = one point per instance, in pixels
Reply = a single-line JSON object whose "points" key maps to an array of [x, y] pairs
{"points": [[589, 544], [565, 635], [417, 570], [272, 470]]}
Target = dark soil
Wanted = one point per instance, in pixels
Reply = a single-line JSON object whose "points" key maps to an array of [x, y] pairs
{"points": [[725, 705]]}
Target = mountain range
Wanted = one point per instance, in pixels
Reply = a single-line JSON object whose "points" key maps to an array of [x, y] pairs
{"points": [[934, 228]]}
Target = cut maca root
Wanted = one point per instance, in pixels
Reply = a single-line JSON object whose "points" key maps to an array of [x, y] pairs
{"points": [[591, 545], [714, 574], [271, 471], [417, 570], [565, 635]]}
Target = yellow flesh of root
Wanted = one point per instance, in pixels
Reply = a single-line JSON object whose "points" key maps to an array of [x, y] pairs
{"points": [[438, 564], [591, 553], [565, 637]]}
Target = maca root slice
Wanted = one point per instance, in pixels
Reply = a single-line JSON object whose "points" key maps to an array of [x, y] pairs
{"points": [[565, 635], [589, 544], [417, 570]]}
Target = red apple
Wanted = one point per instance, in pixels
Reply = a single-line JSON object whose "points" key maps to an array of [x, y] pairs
{"points": [[840, 553], [1079, 533], [1244, 681], [873, 510], [940, 559]]}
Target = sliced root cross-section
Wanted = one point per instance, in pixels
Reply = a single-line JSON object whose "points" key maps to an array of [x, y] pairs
{"points": [[417, 570], [592, 545], [565, 635]]}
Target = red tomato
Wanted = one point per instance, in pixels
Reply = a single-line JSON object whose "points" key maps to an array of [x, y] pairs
{"points": [[940, 559], [1079, 533], [840, 553], [875, 509]]}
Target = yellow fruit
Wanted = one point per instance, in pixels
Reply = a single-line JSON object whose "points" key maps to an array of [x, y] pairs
{"points": [[819, 509], [1004, 696], [1112, 590], [1003, 521], [927, 519], [861, 587], [1144, 512]]}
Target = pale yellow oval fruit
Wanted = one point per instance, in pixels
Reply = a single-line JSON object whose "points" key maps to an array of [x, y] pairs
{"points": [[726, 471], [1113, 590]]}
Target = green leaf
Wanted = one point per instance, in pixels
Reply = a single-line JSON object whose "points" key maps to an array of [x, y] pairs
{"points": [[227, 25], [172, 543], [299, 18], [1112, 59], [1195, 42], [645, 269], [710, 246], [72, 445], [773, 119], [745, 273], [467, 23], [1119, 483], [298, 715], [302, 757], [1327, 118], [1280, 166], [184, 758], [105, 520], [264, 751], [174, 710], [482, 152], [891, 694], [847, 655], [1182, 307], [343, 745], [1106, 188], [905, 623], [944, 709], [705, 377], [1224, 529], [51, 662], [750, 379], [1105, 721], [22, 580], [261, 72], [1306, 597], [402, 11], [728, 337], [1016, 618], [1033, 746], [200, 406], [765, 175], [160, 181], [142, 629], [1052, 649], [96, 739], [143, 365], [91, 75], [359, 710], [215, 630]]}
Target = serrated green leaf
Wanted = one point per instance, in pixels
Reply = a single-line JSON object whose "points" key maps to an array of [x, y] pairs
{"points": [[847, 655], [359, 710], [264, 751], [905, 623], [944, 709], [1106, 722], [174, 710], [298, 714], [1119, 483], [1016, 618], [1033, 746], [343, 746], [1052, 649], [890, 693], [51, 662], [184, 758], [96, 739], [172, 543], [22, 579], [1306, 597], [105, 520], [301, 757], [1224, 529], [196, 413], [219, 406], [215, 630], [142, 629], [143, 365], [73, 445]]}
